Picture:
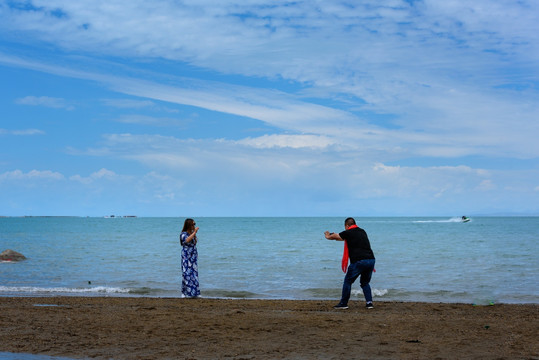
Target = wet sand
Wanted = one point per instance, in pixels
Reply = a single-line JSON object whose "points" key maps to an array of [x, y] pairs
{"points": [[154, 328]]}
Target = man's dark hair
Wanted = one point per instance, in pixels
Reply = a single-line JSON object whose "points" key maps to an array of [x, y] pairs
{"points": [[349, 222]]}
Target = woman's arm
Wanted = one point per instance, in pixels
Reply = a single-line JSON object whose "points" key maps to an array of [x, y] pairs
{"points": [[192, 236]]}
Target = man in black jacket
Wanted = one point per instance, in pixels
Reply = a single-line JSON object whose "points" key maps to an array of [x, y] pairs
{"points": [[358, 249]]}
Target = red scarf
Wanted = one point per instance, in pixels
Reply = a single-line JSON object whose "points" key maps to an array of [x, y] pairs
{"points": [[345, 257]]}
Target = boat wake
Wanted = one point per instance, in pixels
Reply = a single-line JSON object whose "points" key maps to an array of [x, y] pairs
{"points": [[451, 220]]}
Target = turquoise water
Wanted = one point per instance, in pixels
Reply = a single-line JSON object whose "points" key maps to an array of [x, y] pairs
{"points": [[489, 259]]}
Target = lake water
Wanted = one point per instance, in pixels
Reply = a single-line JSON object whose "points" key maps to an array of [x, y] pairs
{"points": [[489, 259]]}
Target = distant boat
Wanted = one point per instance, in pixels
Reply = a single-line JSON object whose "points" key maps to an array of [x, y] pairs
{"points": [[118, 216], [465, 219]]}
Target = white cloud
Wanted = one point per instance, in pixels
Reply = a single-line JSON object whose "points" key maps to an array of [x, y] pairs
{"points": [[273, 107], [161, 188], [31, 175], [461, 125], [136, 104], [150, 120], [286, 39], [46, 101], [129, 103], [450, 101], [415, 182], [288, 141], [277, 161], [486, 185], [25, 132], [346, 88], [102, 174]]}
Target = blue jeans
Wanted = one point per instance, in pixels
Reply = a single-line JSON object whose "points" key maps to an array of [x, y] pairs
{"points": [[361, 268]]}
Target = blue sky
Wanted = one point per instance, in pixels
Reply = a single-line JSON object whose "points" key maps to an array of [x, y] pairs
{"points": [[257, 108]]}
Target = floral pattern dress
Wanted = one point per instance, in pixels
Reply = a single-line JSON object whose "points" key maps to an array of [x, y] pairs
{"points": [[190, 287]]}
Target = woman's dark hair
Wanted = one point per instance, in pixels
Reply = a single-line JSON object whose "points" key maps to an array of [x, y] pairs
{"points": [[349, 222], [188, 225]]}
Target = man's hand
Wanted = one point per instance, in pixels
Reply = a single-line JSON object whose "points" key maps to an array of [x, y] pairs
{"points": [[332, 236]]}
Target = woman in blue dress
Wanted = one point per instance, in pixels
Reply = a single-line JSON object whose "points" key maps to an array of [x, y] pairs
{"points": [[188, 241]]}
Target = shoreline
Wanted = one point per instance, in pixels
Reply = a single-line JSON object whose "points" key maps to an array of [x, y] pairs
{"points": [[204, 328], [224, 298], [359, 298]]}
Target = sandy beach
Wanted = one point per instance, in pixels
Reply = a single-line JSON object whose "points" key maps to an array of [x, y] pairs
{"points": [[156, 328]]}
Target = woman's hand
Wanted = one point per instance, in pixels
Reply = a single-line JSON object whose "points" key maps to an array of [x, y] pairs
{"points": [[192, 235]]}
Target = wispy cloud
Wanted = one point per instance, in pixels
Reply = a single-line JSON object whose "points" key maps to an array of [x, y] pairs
{"points": [[438, 70], [334, 87], [23, 132], [288, 141], [56, 103], [101, 174], [129, 103], [223, 170], [33, 174], [450, 123], [150, 120], [136, 104]]}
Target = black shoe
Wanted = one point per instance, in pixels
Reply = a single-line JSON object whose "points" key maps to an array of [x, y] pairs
{"points": [[340, 306], [369, 305]]}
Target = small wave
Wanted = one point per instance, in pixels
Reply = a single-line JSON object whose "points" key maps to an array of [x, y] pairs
{"points": [[375, 292], [62, 290]]}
